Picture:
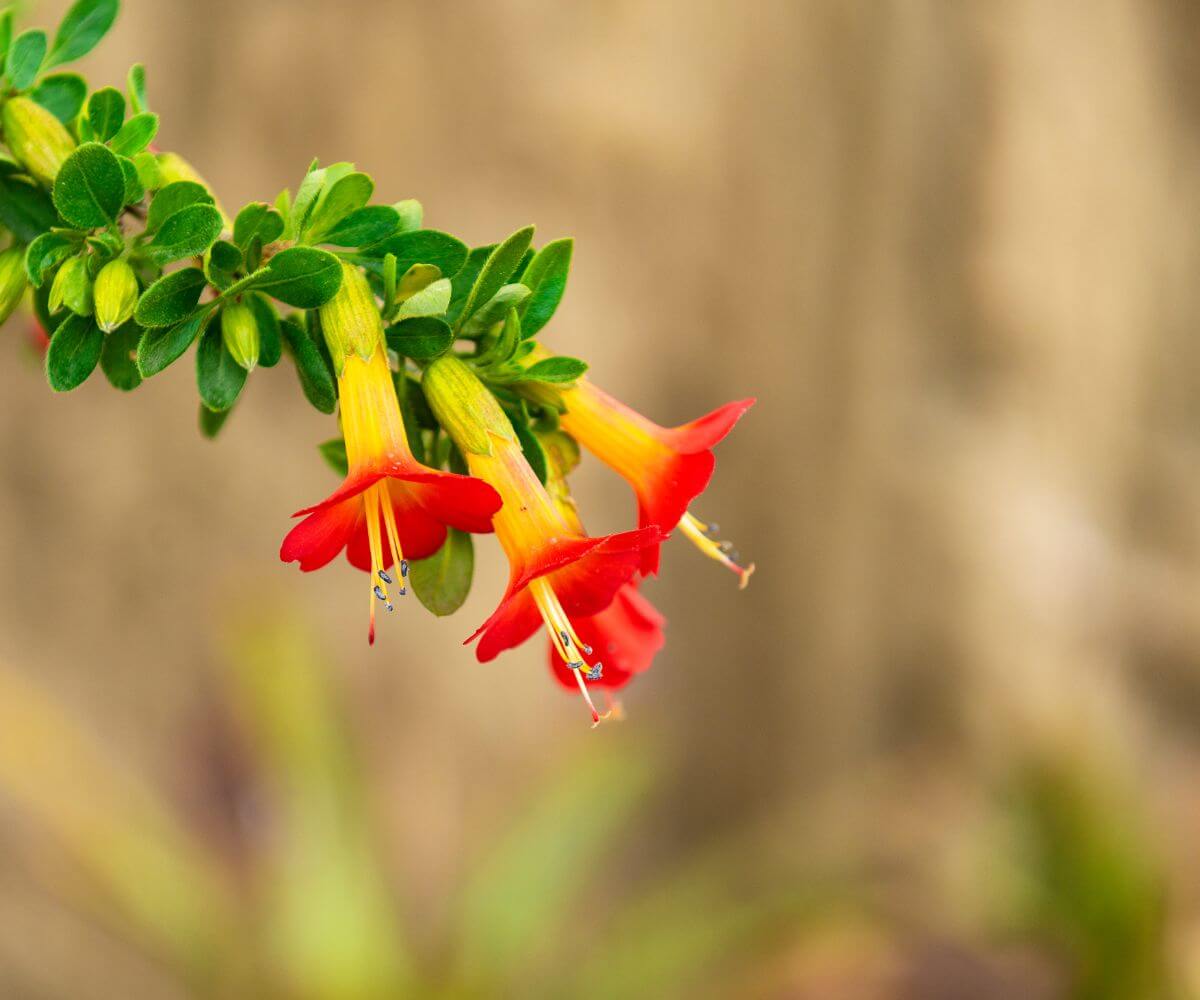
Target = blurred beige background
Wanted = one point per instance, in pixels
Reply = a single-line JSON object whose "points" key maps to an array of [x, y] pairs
{"points": [[951, 247]]}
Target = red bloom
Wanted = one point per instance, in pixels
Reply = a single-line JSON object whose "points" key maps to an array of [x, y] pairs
{"points": [[627, 634], [390, 508], [668, 467]]}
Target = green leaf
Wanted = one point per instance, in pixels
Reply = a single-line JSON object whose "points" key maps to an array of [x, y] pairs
{"points": [[45, 252], [74, 352], [270, 337], [171, 299], [443, 581], [218, 377], [411, 214], [424, 246], [546, 277], [149, 172], [494, 310], [464, 281], [89, 191], [432, 300], [348, 194], [135, 135], [6, 33], [25, 57], [83, 26], [61, 94], [222, 261], [211, 421], [187, 233], [334, 452], [496, 271], [304, 277], [535, 454], [174, 198], [25, 208], [106, 112], [556, 370], [135, 190], [315, 378], [161, 346], [257, 220], [117, 357], [421, 338], [136, 84], [366, 225]]}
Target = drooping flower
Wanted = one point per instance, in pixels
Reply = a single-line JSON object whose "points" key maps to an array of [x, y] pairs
{"points": [[390, 508], [668, 467], [557, 574]]}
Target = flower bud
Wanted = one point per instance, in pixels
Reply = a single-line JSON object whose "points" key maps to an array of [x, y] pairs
{"points": [[351, 321], [38, 140], [115, 294], [12, 280], [172, 167], [72, 287], [239, 329], [463, 405]]}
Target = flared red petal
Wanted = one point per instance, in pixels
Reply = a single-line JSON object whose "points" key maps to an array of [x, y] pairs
{"points": [[323, 534], [625, 636]]}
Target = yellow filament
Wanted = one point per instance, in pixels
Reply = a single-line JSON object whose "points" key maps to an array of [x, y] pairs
{"points": [[389, 521], [694, 530], [558, 625]]}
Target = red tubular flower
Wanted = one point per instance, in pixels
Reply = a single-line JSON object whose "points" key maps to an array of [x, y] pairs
{"points": [[390, 508], [628, 634], [668, 467], [557, 574]]}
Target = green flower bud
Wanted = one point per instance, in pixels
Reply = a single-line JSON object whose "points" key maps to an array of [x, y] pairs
{"points": [[72, 287], [12, 280], [351, 321], [464, 406], [239, 329], [38, 140], [115, 294]]}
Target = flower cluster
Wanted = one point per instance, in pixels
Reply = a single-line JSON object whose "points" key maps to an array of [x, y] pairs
{"points": [[454, 417]]}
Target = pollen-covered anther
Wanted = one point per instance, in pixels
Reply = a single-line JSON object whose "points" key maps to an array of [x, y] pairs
{"points": [[700, 535], [563, 636], [381, 525]]}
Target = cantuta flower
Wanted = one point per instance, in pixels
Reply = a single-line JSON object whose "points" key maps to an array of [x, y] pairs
{"points": [[668, 467], [390, 508], [557, 574]]}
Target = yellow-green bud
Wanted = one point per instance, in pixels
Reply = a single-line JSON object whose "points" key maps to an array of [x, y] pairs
{"points": [[12, 280], [72, 287], [115, 294], [351, 321], [239, 329], [172, 167], [463, 405], [38, 140]]}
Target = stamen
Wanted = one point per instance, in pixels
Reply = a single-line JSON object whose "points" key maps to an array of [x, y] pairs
{"points": [[384, 577], [380, 594], [562, 635], [596, 672], [404, 567], [723, 552]]}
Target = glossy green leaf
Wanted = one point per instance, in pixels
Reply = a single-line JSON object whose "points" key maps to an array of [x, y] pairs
{"points": [[421, 338], [73, 353], [6, 33], [304, 277], [136, 85], [464, 281], [496, 271], [346, 195], [443, 581], [218, 376], [62, 94], [364, 226], [269, 334], [432, 300], [135, 190], [411, 213], [494, 310], [187, 233], [555, 370], [149, 172], [174, 198], [24, 58], [315, 378], [89, 191], [106, 112], [25, 208], [424, 246], [161, 346], [135, 135], [546, 277], [117, 357], [171, 299], [211, 421], [81, 29], [532, 448], [222, 261]]}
